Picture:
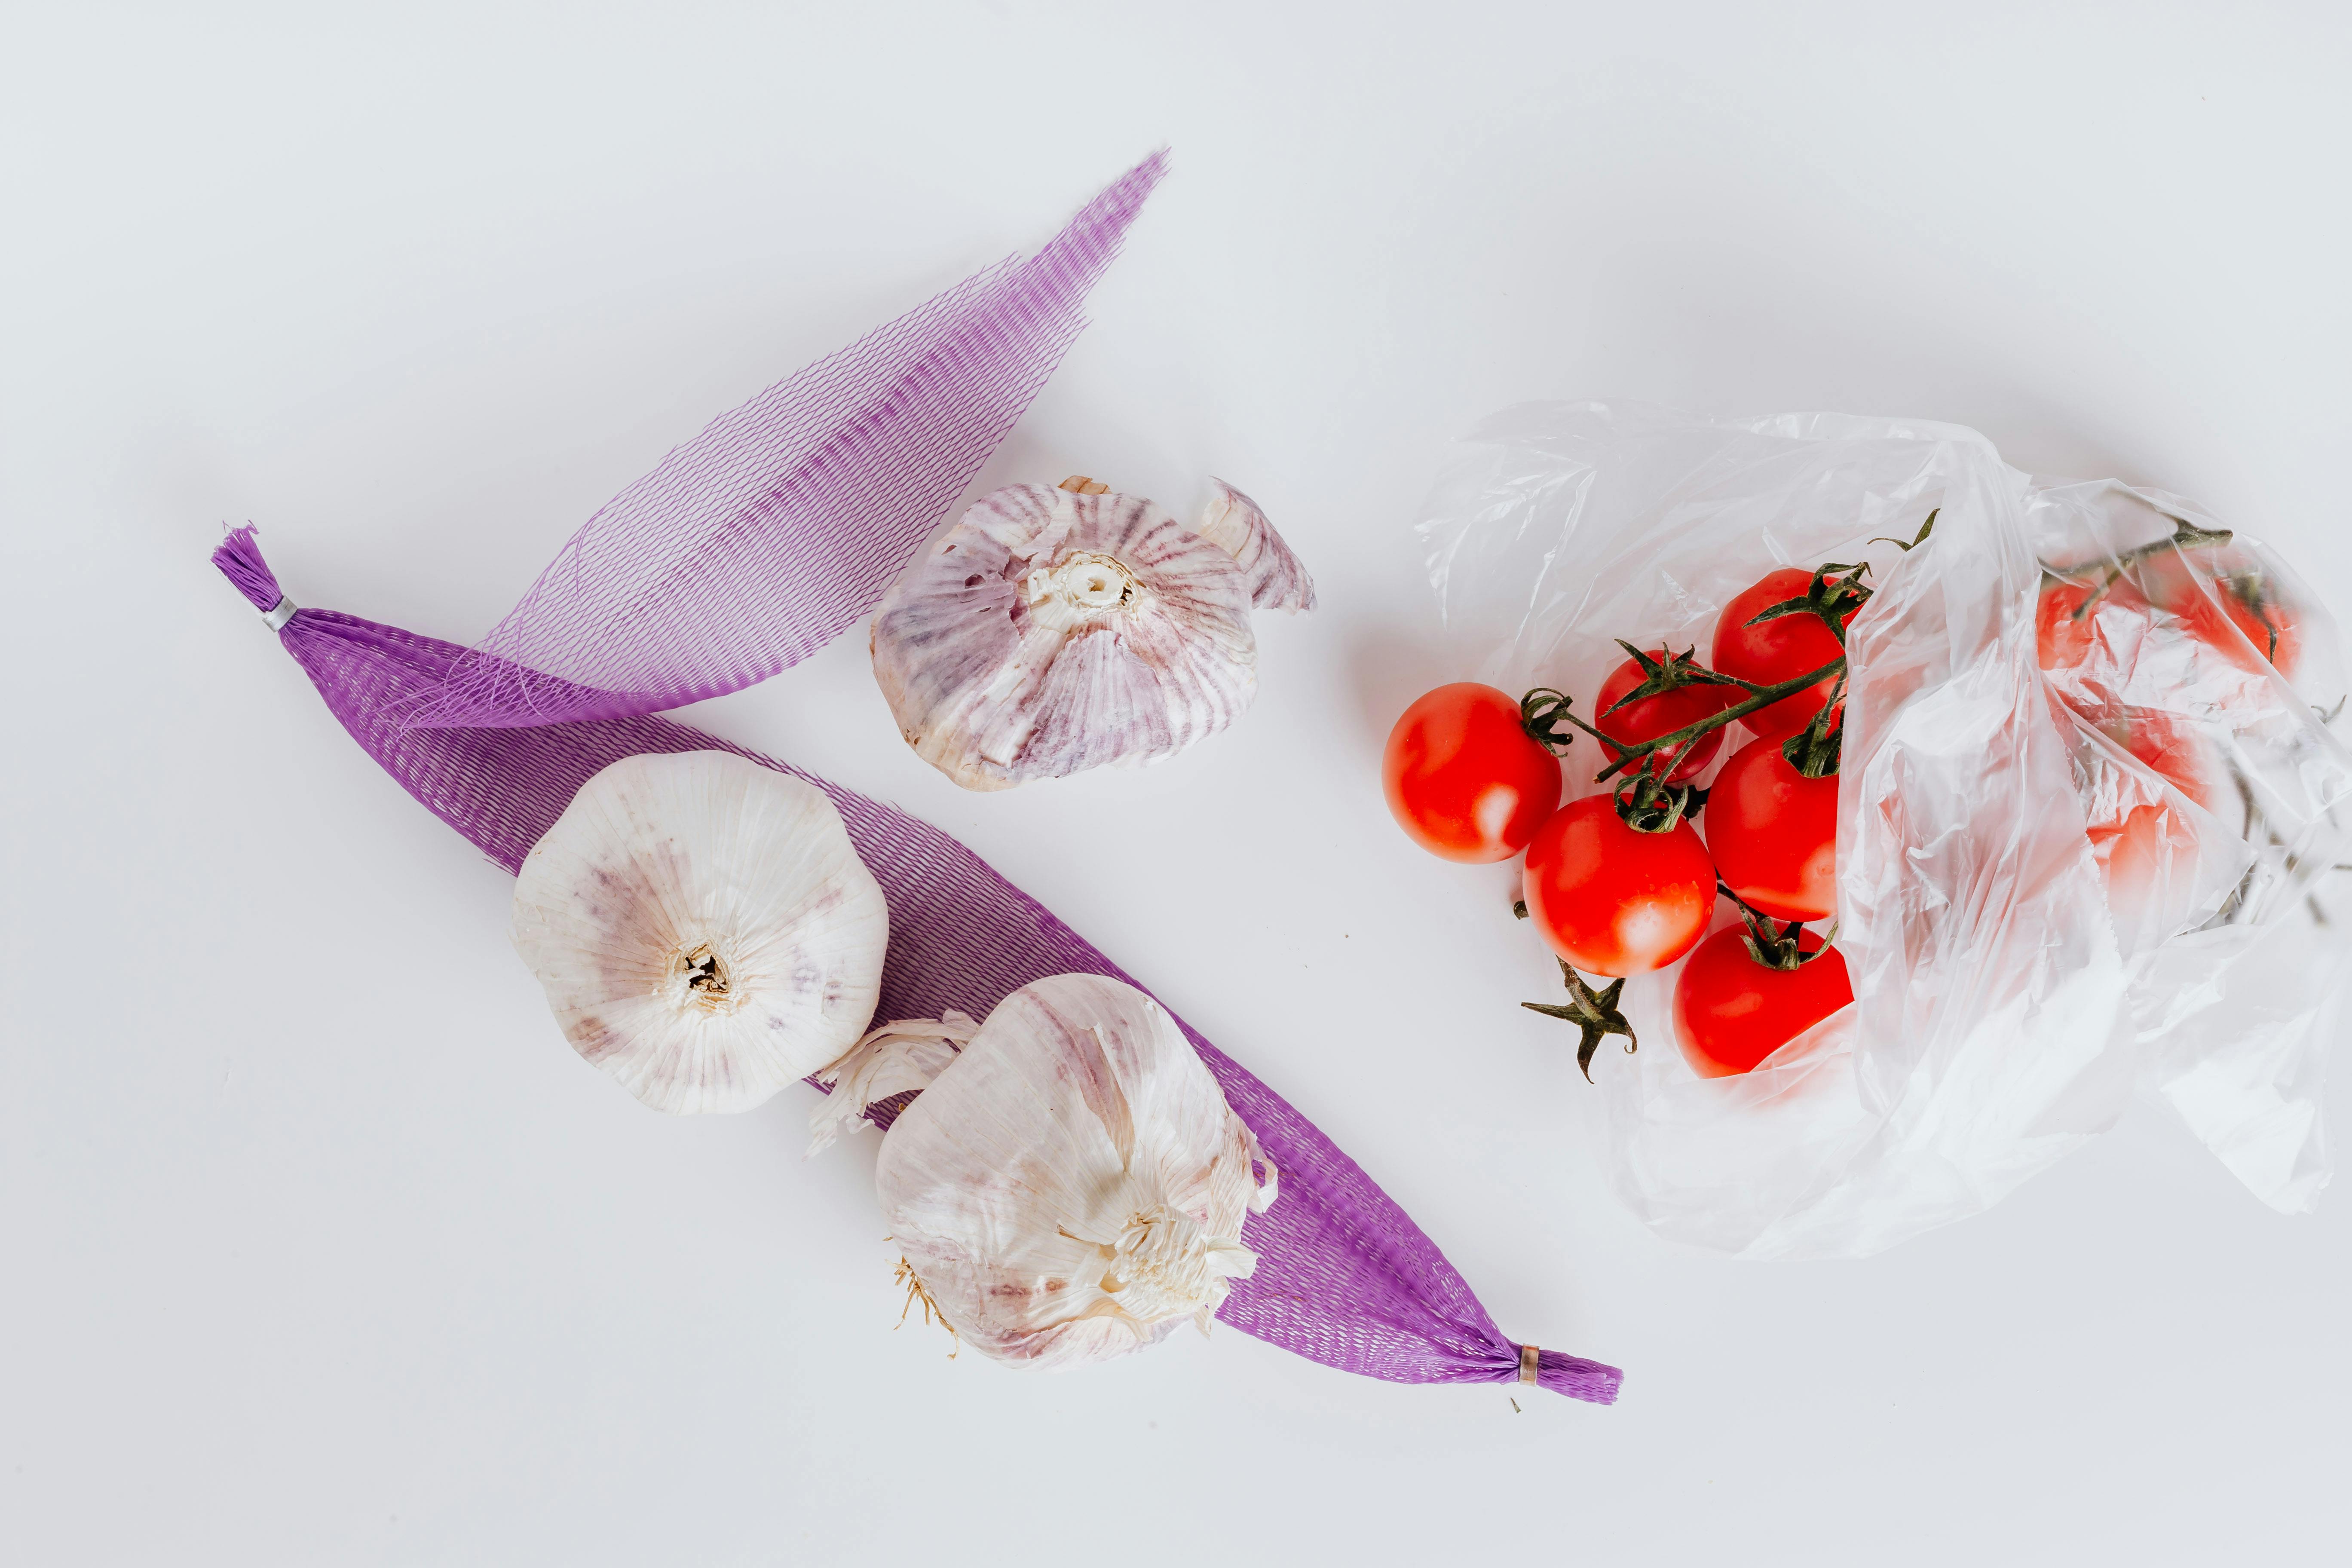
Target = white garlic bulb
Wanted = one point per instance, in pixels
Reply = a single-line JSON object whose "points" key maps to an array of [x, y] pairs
{"points": [[1052, 630], [1072, 1185], [705, 933]]}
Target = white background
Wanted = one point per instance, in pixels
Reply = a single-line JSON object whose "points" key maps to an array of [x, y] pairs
{"points": [[318, 1245]]}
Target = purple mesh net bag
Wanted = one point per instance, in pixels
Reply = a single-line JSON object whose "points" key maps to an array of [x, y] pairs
{"points": [[1344, 1278], [763, 538]]}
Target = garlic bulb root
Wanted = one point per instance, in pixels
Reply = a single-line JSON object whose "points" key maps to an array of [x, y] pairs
{"points": [[905, 1275], [1084, 586], [902, 1055], [1161, 1265]]}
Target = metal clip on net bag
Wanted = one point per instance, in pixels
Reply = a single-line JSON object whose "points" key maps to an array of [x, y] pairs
{"points": [[746, 550], [2087, 812]]}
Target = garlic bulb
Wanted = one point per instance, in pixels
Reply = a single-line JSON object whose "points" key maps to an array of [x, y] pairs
{"points": [[704, 930], [1052, 630], [1072, 1185], [1234, 524]]}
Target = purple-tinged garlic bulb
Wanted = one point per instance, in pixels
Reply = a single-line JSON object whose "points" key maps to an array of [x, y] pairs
{"points": [[1071, 1186], [1052, 630], [1278, 579], [705, 933]]}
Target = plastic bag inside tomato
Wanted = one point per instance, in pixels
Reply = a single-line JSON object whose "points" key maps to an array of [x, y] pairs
{"points": [[2088, 808]]}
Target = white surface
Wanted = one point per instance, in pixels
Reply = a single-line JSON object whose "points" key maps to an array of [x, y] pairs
{"points": [[320, 1246]]}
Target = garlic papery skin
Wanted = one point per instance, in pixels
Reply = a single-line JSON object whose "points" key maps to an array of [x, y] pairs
{"points": [[1234, 524], [1072, 1186], [1163, 1266], [1050, 631], [704, 931], [902, 1055]]}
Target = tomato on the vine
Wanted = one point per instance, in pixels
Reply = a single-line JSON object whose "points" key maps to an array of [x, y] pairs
{"points": [[1647, 718], [1776, 651], [2220, 597], [2147, 858], [2147, 848], [2217, 597], [1773, 833], [2067, 618], [1613, 899], [1464, 779], [2169, 746], [1731, 1012]]}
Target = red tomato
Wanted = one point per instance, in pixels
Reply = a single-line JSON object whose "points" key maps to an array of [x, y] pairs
{"points": [[1612, 899], [1778, 650], [1464, 779], [2219, 596], [1661, 715], [2064, 631], [2147, 849], [2170, 747], [1773, 833], [2148, 859], [1731, 1012]]}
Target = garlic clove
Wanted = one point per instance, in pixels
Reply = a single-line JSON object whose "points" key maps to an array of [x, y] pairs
{"points": [[903, 1055], [704, 931], [1237, 525], [1071, 1187], [1050, 631]]}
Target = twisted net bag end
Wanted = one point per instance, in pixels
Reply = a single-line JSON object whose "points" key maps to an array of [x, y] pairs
{"points": [[1590, 1380]]}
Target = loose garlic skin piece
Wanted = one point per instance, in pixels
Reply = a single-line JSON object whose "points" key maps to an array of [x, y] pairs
{"points": [[1071, 1187], [704, 931], [1049, 632], [1278, 579]]}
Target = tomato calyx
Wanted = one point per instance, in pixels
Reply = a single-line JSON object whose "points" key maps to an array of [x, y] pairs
{"points": [[1814, 751], [1672, 673], [1594, 1013], [1779, 950], [1771, 948], [2250, 589], [1544, 715], [1646, 803], [1830, 597], [1835, 598]]}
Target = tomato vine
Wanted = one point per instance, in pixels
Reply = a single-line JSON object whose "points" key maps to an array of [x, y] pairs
{"points": [[1646, 803]]}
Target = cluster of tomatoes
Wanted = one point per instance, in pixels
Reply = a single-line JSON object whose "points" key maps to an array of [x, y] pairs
{"points": [[1623, 883], [2094, 627]]}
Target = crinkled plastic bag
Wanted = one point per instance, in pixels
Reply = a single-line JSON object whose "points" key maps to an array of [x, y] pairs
{"points": [[2053, 887]]}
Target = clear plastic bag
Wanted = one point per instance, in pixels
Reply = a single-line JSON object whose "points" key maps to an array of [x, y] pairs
{"points": [[2054, 886]]}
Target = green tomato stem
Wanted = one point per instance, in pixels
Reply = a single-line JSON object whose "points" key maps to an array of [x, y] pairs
{"points": [[1765, 696]]}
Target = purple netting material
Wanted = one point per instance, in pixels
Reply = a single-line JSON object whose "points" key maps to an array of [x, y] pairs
{"points": [[1344, 1278], [763, 538]]}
